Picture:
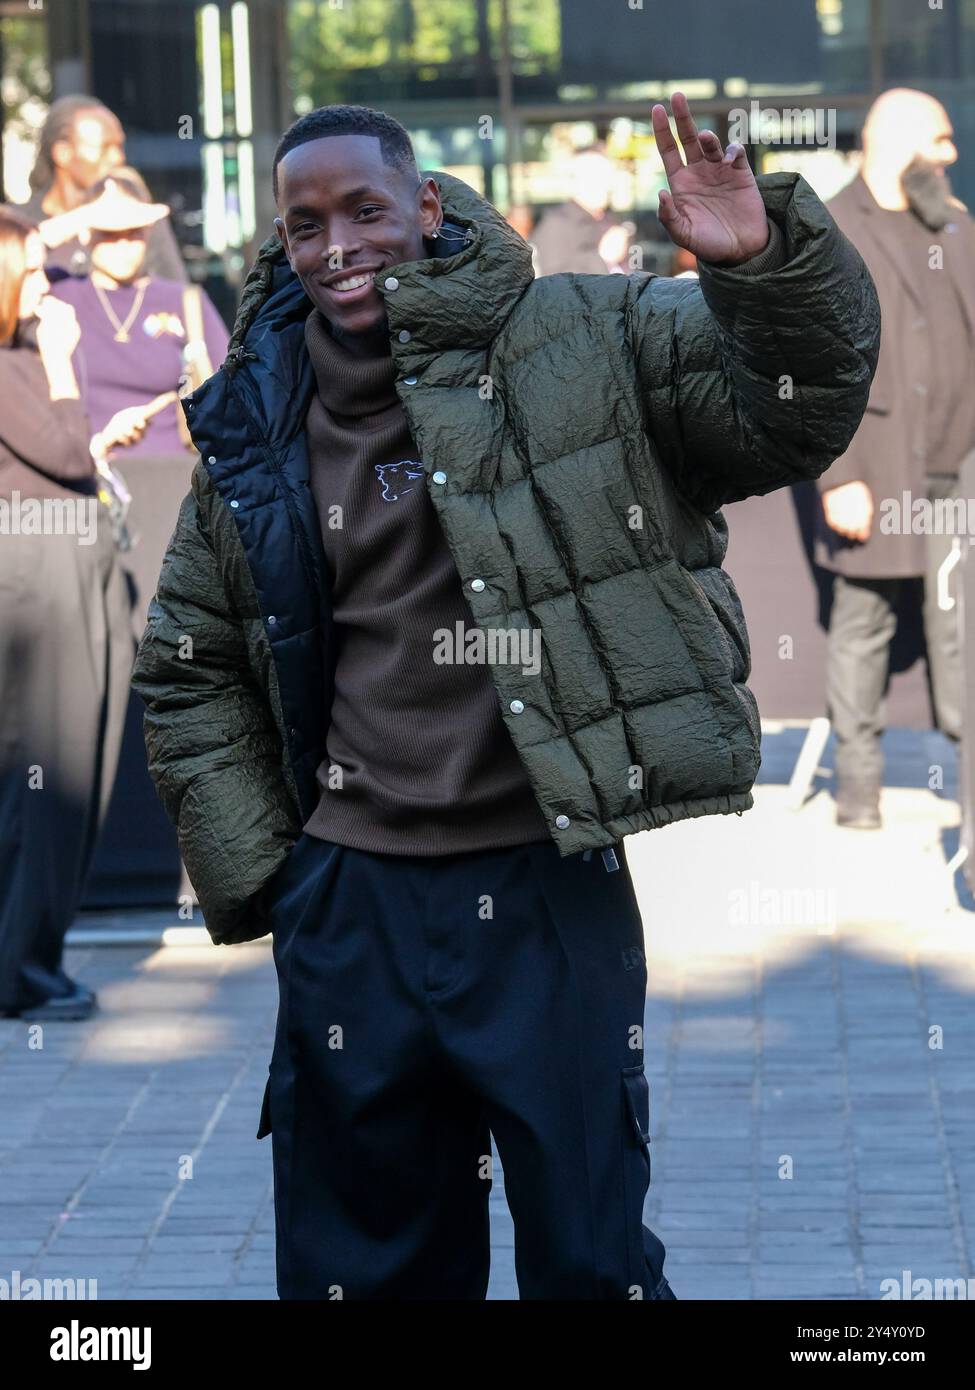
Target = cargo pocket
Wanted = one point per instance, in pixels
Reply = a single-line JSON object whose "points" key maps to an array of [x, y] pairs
{"points": [[636, 1089], [264, 1125], [636, 1172]]}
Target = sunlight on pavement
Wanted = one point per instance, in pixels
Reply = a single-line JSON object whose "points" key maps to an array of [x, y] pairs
{"points": [[722, 895]]}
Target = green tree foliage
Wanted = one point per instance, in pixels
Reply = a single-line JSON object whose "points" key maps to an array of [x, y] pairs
{"points": [[417, 37]]}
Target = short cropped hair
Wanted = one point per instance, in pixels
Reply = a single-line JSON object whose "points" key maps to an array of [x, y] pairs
{"points": [[394, 142]]}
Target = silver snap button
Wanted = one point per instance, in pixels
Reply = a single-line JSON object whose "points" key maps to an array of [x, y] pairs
{"points": [[517, 707], [391, 282], [439, 477], [404, 335], [409, 381], [235, 504], [562, 822], [211, 459], [272, 619], [477, 585]]}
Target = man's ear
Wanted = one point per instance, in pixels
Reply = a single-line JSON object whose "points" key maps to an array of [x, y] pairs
{"points": [[428, 202], [279, 227]]}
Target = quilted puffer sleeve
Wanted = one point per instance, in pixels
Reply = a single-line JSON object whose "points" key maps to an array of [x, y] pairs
{"points": [[214, 752], [750, 382]]}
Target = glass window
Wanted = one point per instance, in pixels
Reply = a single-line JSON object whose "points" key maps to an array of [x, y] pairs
{"points": [[643, 53], [919, 44], [377, 51]]}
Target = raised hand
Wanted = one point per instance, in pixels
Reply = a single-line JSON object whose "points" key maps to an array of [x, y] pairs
{"points": [[713, 208], [58, 330]]}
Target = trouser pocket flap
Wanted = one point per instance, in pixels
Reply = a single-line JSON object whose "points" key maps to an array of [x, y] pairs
{"points": [[637, 1090]]}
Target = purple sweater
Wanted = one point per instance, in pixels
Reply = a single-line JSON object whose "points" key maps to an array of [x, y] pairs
{"points": [[113, 375]]}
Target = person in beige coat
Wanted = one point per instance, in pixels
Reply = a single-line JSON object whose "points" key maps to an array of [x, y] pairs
{"points": [[918, 242]]}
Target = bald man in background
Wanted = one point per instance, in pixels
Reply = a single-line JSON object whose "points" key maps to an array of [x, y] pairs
{"points": [[918, 242], [583, 235]]}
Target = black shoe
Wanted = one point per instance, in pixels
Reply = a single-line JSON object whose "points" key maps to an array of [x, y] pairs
{"points": [[80, 1004], [858, 805]]}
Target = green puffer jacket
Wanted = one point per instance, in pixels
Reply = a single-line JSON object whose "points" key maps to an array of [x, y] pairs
{"points": [[578, 434]]}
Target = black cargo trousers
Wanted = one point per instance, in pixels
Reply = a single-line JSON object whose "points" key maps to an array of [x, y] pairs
{"points": [[426, 1004]]}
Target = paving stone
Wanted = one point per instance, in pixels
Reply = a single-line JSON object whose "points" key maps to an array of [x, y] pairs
{"points": [[759, 1042]]}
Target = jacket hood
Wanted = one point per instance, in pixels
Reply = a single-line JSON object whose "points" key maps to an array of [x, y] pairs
{"points": [[480, 268]]}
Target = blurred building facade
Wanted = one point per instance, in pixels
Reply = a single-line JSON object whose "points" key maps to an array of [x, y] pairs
{"points": [[497, 91]]}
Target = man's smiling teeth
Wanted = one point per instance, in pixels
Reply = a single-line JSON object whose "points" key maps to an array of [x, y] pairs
{"points": [[353, 283]]}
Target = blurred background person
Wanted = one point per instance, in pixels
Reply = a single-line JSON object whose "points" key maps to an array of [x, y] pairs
{"points": [[65, 648], [918, 242], [582, 235], [143, 341], [141, 337], [521, 218], [683, 264], [80, 142]]}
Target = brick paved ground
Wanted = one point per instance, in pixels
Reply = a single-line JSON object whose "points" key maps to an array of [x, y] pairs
{"points": [[808, 1141]]}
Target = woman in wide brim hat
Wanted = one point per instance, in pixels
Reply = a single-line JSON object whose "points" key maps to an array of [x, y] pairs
{"points": [[113, 205], [121, 205], [144, 340]]}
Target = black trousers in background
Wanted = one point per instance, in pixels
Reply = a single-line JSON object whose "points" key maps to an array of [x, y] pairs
{"points": [[137, 861], [65, 663], [862, 625], [425, 1004]]}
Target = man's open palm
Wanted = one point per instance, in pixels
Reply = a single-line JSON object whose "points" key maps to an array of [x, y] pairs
{"points": [[713, 208]]}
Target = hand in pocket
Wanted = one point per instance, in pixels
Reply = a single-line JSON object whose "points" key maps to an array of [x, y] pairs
{"points": [[270, 892]]}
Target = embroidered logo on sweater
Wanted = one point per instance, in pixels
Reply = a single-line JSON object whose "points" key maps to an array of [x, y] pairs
{"points": [[395, 479]]}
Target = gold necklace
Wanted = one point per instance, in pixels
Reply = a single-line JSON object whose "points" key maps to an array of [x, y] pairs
{"points": [[122, 329]]}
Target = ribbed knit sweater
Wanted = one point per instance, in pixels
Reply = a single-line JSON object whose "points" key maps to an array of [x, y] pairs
{"points": [[418, 758]]}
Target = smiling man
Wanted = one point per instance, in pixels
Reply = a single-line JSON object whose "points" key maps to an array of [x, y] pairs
{"points": [[327, 185], [436, 847]]}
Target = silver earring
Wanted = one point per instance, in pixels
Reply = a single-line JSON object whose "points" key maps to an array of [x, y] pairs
{"points": [[448, 237]]}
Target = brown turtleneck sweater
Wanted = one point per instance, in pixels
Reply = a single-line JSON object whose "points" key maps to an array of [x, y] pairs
{"points": [[427, 766]]}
